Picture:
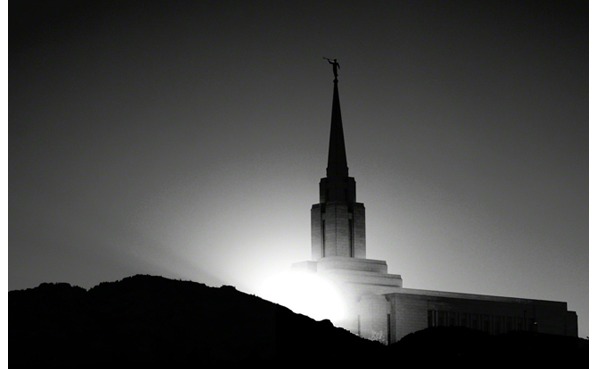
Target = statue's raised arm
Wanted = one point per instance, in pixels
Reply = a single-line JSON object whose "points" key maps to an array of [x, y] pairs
{"points": [[336, 66]]}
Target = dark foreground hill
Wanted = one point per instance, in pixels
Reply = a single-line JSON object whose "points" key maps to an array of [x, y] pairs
{"points": [[146, 321], [445, 347]]}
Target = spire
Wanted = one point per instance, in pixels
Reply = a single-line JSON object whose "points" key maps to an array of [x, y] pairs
{"points": [[336, 163]]}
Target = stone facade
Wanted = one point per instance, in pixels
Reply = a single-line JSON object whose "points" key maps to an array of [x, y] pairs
{"points": [[413, 310], [338, 229]]}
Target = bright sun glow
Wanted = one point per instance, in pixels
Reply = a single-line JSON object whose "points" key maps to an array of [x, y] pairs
{"points": [[305, 293]]}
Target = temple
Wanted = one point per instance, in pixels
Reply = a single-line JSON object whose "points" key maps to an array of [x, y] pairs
{"points": [[379, 306]]}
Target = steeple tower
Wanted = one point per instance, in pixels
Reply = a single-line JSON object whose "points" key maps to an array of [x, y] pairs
{"points": [[337, 221], [336, 163]]}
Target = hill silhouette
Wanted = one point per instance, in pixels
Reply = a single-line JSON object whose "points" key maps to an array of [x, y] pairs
{"points": [[149, 321], [458, 347]]}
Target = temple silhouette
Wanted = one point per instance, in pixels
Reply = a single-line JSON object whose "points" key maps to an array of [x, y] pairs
{"points": [[379, 306]]}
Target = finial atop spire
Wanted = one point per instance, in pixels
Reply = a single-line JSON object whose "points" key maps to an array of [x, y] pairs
{"points": [[336, 67]]}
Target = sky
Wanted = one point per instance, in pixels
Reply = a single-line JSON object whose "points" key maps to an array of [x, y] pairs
{"points": [[187, 139]]}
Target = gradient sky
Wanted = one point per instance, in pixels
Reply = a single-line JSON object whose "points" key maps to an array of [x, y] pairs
{"points": [[187, 139]]}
